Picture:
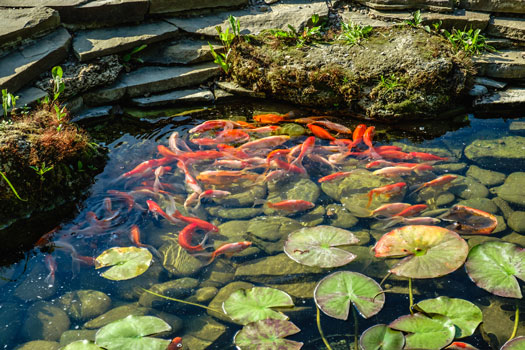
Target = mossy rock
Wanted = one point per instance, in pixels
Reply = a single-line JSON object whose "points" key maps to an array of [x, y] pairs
{"points": [[496, 154], [177, 261], [513, 190], [45, 321], [421, 74]]}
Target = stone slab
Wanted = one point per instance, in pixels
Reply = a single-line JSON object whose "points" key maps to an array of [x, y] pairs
{"points": [[517, 127], [362, 19], [175, 97], [56, 4], [28, 97], [23, 23], [509, 6], [506, 27], [89, 44], [101, 13], [148, 80], [186, 51], [507, 64], [170, 6], [252, 22], [490, 82], [434, 5], [26, 63], [235, 89], [459, 19], [512, 99]]}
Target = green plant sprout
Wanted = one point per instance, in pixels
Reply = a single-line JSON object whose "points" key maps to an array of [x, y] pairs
{"points": [[415, 21], [388, 83], [41, 169], [58, 83], [227, 38], [129, 56], [60, 114], [8, 101], [12, 187], [470, 41], [309, 34], [352, 33]]}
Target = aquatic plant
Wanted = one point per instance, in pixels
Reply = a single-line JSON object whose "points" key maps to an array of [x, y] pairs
{"points": [[12, 187], [424, 332], [8, 101], [82, 345], [470, 41], [381, 337], [127, 262], [267, 335], [352, 33], [514, 344]]}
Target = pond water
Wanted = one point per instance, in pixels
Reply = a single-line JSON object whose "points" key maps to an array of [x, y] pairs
{"points": [[32, 299]]}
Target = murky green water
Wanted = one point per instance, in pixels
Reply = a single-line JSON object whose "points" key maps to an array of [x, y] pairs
{"points": [[32, 308]]}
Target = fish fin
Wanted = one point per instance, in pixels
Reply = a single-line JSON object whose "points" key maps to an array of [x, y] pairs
{"points": [[50, 279], [370, 196]]}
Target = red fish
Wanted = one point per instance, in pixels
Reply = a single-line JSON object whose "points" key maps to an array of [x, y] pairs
{"points": [[186, 235], [130, 201], [391, 154], [176, 344], [389, 209], [459, 345], [426, 156], [204, 225], [393, 171], [388, 190], [229, 249], [270, 118], [212, 124], [367, 139], [440, 181], [320, 132], [86, 260], [291, 205], [134, 235], [144, 166], [341, 129], [155, 209], [225, 177], [334, 176], [306, 148], [51, 265], [359, 131], [412, 210], [188, 177]]}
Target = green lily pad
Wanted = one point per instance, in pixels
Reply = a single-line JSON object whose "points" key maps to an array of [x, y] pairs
{"points": [[82, 345], [316, 246], [514, 344], [334, 294], [465, 315], [431, 251], [425, 333], [251, 305], [267, 335], [381, 337], [131, 333], [127, 262], [494, 267]]}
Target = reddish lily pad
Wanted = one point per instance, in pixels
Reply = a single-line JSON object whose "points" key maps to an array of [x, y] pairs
{"points": [[430, 251], [494, 267], [381, 337], [267, 335], [316, 246], [514, 344], [335, 293], [470, 221], [424, 332]]}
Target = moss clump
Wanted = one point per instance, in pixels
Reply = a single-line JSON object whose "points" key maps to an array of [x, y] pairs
{"points": [[429, 76]]}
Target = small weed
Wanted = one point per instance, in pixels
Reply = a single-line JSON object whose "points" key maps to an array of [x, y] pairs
{"points": [[227, 38], [41, 170], [12, 187], [8, 101], [416, 19], [58, 82], [388, 83], [470, 41], [309, 35], [352, 33], [129, 56]]}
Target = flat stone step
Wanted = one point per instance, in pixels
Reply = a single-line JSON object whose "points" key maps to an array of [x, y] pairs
{"points": [[56, 4], [23, 23], [490, 82], [508, 64], [171, 7], [252, 22], [509, 6], [510, 28], [100, 13], [175, 97], [459, 19], [237, 90], [434, 5], [26, 63], [92, 114], [186, 51], [149, 80], [362, 19], [512, 99], [89, 44]]}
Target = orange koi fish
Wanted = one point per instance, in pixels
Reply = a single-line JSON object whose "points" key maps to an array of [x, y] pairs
{"points": [[225, 177], [186, 235], [156, 210], [320, 132], [204, 225], [270, 118], [291, 205], [229, 249], [144, 166], [263, 129], [341, 129], [276, 153], [306, 148], [367, 139], [359, 131], [380, 162], [389, 209], [393, 171], [412, 210], [134, 236], [391, 154], [265, 142], [334, 176], [188, 177], [212, 124], [421, 220], [176, 344], [388, 190], [459, 345], [440, 181], [289, 167], [426, 156]]}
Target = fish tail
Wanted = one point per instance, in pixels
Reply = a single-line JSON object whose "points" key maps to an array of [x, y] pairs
{"points": [[416, 190], [370, 196], [394, 220], [50, 279]]}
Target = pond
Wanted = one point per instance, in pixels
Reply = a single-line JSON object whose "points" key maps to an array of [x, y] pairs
{"points": [[56, 294]]}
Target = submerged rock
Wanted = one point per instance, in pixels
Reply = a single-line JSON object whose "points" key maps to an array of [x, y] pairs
{"points": [[517, 221], [39, 345], [82, 305], [292, 187], [201, 332], [486, 177], [74, 335], [503, 153], [270, 232], [177, 261], [45, 321], [10, 322], [467, 187], [513, 190], [339, 216], [179, 289]]}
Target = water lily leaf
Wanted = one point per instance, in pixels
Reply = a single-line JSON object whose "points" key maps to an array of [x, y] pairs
{"points": [[334, 294], [425, 333], [267, 335], [251, 305], [514, 344], [432, 251], [82, 345], [132, 333], [465, 315], [381, 337], [127, 262], [316, 246], [494, 267]]}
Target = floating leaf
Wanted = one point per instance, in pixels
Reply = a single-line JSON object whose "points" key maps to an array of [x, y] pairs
{"points": [[494, 267], [82, 345], [465, 315], [432, 251], [514, 344], [381, 337], [251, 305], [425, 333], [131, 333], [315, 246], [335, 292], [127, 262], [267, 335]]}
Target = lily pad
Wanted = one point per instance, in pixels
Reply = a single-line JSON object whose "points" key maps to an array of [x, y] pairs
{"points": [[251, 305], [82, 345], [514, 344], [465, 315], [381, 337], [425, 333], [334, 294], [267, 335], [316, 246], [432, 251], [132, 333], [127, 262], [494, 267]]}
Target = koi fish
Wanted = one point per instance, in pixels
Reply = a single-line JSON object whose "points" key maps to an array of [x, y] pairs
{"points": [[270, 118], [192, 199], [204, 225], [212, 124], [393, 171], [334, 176], [225, 177], [86, 260], [176, 344], [388, 190], [128, 198], [426, 156], [291, 205], [380, 162], [367, 139], [262, 129], [459, 345], [158, 174], [265, 142], [357, 136], [134, 235], [186, 235], [320, 132], [440, 181], [276, 153], [144, 166], [156, 210], [341, 129], [188, 177], [306, 148], [412, 210], [229, 249], [51, 265], [422, 220], [175, 143], [391, 154], [209, 194], [289, 167], [389, 209]]}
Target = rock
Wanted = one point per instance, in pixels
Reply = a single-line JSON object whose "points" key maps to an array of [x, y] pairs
{"points": [[185, 51], [39, 345], [242, 196], [434, 5], [271, 229], [27, 62], [234, 213], [222, 95], [55, 4], [478, 90], [291, 188], [177, 260], [74, 335], [238, 90], [516, 221], [10, 322], [502, 226], [151, 80], [486, 177], [104, 13], [300, 290], [435, 198], [95, 43], [116, 314], [92, 114], [516, 238], [468, 187], [501, 101], [222, 295], [132, 289], [510, 6], [252, 22], [506, 27], [45, 322], [168, 6], [193, 96], [363, 20], [513, 190], [82, 305], [459, 19], [313, 217], [503, 206], [201, 332], [220, 273], [484, 204], [179, 289], [489, 82], [506, 64], [23, 23], [34, 287], [502, 153], [203, 295], [517, 127], [339, 216], [455, 168]]}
